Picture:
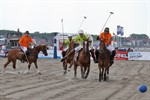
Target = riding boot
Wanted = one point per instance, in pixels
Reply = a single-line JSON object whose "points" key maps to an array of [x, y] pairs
{"points": [[27, 52], [22, 58], [112, 57], [68, 54], [92, 54], [96, 53]]}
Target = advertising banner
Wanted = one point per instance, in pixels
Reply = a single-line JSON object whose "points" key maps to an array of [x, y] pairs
{"points": [[139, 56], [121, 55]]}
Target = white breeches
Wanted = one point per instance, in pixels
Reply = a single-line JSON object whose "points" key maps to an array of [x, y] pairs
{"points": [[80, 47], [24, 48], [110, 48]]}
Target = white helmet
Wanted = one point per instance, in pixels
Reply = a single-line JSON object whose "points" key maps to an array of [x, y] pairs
{"points": [[81, 32]]}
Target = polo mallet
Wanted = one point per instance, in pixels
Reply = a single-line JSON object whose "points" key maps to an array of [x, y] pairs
{"points": [[82, 22], [106, 21]]}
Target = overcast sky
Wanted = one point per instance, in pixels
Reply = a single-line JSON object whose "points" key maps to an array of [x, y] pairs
{"points": [[46, 15]]}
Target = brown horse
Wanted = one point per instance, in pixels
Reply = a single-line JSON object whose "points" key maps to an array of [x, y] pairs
{"points": [[15, 54], [69, 59], [103, 61], [83, 61]]}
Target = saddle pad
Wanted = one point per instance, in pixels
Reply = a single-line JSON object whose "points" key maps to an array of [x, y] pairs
{"points": [[77, 54]]}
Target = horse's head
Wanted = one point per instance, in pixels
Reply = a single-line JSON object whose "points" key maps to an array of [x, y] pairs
{"points": [[86, 45], [73, 44], [102, 46], [43, 48]]}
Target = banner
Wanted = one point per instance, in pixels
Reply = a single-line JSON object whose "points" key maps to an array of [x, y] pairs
{"points": [[139, 56], [121, 55]]}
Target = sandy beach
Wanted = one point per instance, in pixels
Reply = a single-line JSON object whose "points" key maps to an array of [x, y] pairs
{"points": [[124, 80]]}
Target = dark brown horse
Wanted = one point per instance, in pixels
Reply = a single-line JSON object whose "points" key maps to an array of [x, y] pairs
{"points": [[83, 60], [103, 61], [15, 54], [69, 59]]}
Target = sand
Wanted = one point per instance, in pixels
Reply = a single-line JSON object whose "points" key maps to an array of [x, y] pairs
{"points": [[124, 80]]}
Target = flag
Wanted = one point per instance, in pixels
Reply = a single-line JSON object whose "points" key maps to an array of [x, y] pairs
{"points": [[120, 30]]}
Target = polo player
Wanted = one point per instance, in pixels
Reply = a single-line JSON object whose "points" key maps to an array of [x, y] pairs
{"points": [[25, 42], [107, 38], [67, 43], [79, 39]]}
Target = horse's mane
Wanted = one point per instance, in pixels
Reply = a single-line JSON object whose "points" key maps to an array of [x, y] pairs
{"points": [[105, 53], [37, 49]]}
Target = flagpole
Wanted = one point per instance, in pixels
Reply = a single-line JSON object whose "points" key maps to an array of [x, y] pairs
{"points": [[62, 31]]}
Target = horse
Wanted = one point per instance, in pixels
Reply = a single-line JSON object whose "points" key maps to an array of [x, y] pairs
{"points": [[16, 54], [103, 61], [69, 59], [83, 60]]}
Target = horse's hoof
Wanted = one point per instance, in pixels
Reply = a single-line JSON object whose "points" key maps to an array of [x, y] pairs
{"points": [[3, 71], [65, 73]]}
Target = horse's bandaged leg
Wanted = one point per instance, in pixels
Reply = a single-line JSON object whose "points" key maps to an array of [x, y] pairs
{"points": [[38, 71]]}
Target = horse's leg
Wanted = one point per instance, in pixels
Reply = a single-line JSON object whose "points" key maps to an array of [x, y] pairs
{"points": [[107, 76], [87, 73], [82, 72], [65, 67], [100, 72], [14, 64], [105, 71], [75, 70], [29, 65], [35, 63], [108, 70], [5, 65], [70, 65]]}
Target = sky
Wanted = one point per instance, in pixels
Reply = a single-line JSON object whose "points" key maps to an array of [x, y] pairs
{"points": [[46, 15]]}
